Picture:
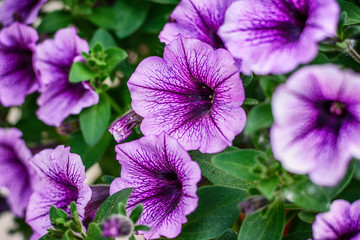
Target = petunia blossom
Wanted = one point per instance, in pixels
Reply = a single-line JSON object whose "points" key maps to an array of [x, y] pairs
{"points": [[24, 11], [59, 98], [17, 76], [317, 122], [164, 179], [275, 36], [199, 19], [62, 176], [341, 222], [194, 94], [16, 174]]}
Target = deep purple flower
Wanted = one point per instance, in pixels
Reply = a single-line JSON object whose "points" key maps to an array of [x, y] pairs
{"points": [[17, 77], [341, 222], [199, 19], [25, 11], [122, 127], [275, 36], [15, 172], [164, 179], [62, 181], [194, 94], [117, 226], [317, 122], [59, 98]]}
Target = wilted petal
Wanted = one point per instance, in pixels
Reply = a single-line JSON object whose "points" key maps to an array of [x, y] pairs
{"points": [[277, 35], [194, 94], [62, 175], [17, 77], [59, 98], [341, 222], [25, 11], [16, 174], [316, 122], [164, 179]]}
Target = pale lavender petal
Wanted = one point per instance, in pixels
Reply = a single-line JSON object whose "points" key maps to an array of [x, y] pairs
{"points": [[62, 175], [164, 179], [277, 35], [25, 11], [341, 222], [16, 174], [198, 19], [316, 121], [194, 94], [17, 77], [59, 98]]}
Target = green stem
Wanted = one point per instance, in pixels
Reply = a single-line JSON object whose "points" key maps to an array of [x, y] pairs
{"points": [[113, 104], [351, 51]]}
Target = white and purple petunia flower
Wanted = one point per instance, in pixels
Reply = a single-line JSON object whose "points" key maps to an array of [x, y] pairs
{"points": [[199, 19], [194, 94], [341, 222], [59, 98], [25, 11], [16, 174], [62, 176], [275, 36], [317, 122], [164, 179], [17, 76]]}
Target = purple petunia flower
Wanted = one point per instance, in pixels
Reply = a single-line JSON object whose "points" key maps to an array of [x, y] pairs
{"points": [[341, 222], [317, 121], [122, 127], [25, 11], [199, 19], [59, 98], [62, 177], [275, 36], [164, 179], [194, 94], [15, 171], [17, 76]]}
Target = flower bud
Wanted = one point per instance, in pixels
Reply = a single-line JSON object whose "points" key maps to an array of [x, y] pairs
{"points": [[117, 226], [122, 127]]}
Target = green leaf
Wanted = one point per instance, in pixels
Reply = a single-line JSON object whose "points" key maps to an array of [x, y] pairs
{"points": [[216, 211], [166, 1], [142, 228], [104, 38], [103, 17], [54, 21], [270, 82], [298, 235], [307, 195], [259, 117], [95, 120], [110, 206], [239, 163], [307, 217], [74, 212], [246, 79], [215, 174], [114, 57], [80, 72], [157, 18], [268, 186], [352, 12], [229, 234], [94, 232], [130, 15], [136, 213], [265, 224], [320, 59], [340, 30], [56, 215], [250, 101]]}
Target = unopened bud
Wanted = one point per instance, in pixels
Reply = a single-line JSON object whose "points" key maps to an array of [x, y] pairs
{"points": [[117, 226], [122, 127], [253, 203]]}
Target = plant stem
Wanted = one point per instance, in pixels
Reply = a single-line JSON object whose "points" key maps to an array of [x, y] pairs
{"points": [[351, 51]]}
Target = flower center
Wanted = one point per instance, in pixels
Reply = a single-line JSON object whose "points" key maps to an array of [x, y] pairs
{"points": [[348, 236], [331, 114]]}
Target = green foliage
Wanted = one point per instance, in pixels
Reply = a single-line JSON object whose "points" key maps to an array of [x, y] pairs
{"points": [[94, 121], [80, 72], [352, 12], [55, 21], [259, 117], [216, 211], [264, 224]]}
